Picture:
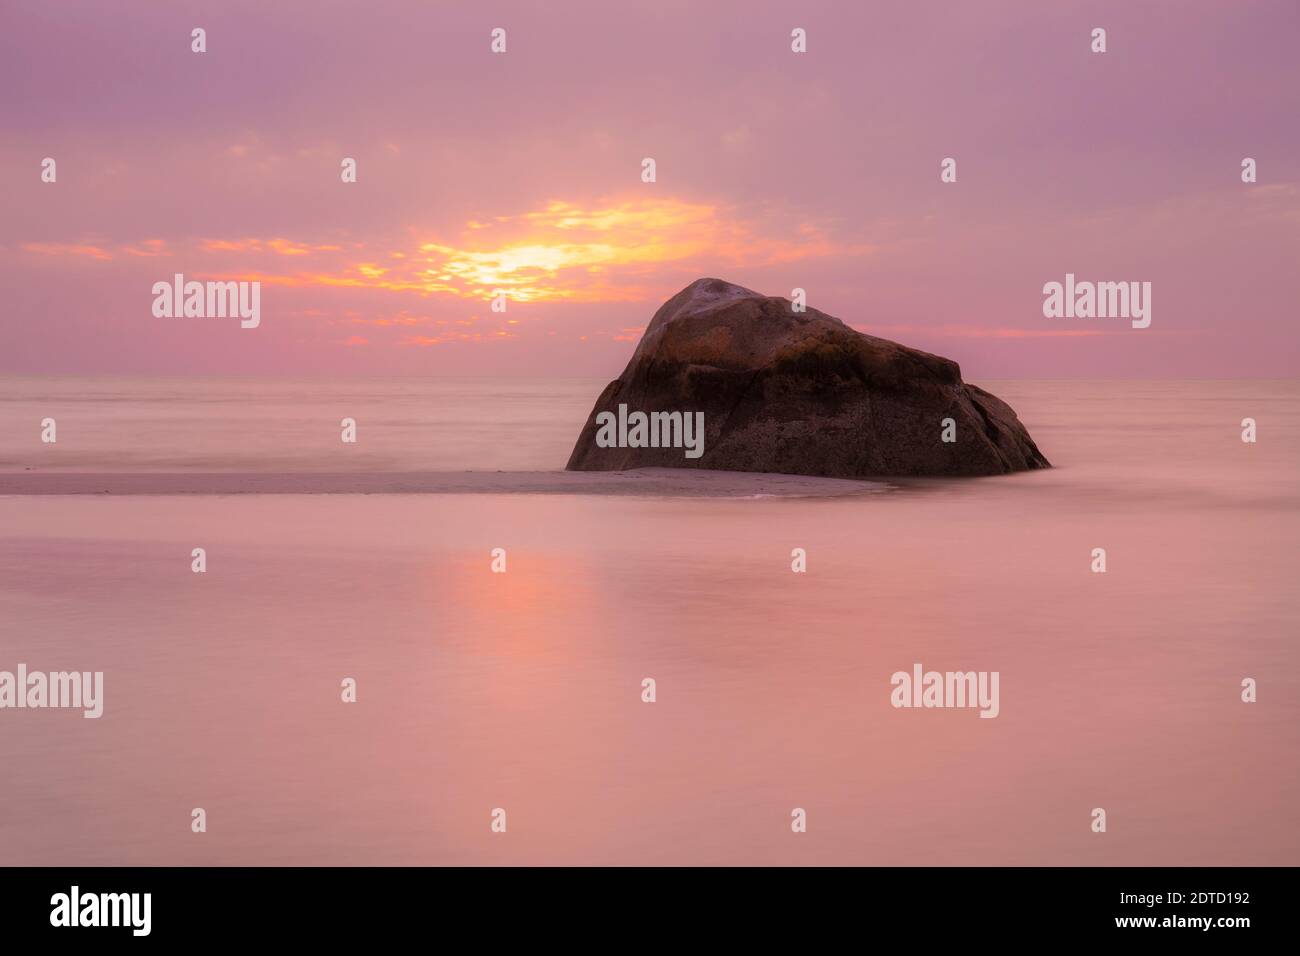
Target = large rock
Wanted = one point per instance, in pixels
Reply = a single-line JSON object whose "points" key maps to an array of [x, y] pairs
{"points": [[801, 393]]}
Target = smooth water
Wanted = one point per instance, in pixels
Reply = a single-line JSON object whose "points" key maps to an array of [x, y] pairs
{"points": [[268, 425], [523, 690]]}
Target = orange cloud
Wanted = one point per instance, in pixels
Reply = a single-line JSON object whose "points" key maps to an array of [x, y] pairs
{"points": [[563, 252], [282, 247], [148, 249], [446, 338], [67, 249], [401, 318]]}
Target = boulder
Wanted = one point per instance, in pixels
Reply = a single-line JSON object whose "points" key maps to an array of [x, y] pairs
{"points": [[799, 393]]}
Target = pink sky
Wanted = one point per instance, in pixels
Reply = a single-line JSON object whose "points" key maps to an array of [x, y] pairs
{"points": [[522, 172]]}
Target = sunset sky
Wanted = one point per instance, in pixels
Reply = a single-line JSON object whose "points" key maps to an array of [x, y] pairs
{"points": [[521, 173]]}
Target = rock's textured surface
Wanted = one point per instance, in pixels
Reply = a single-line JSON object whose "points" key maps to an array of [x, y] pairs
{"points": [[802, 394]]}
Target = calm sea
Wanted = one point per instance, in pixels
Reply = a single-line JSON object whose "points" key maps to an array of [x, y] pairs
{"points": [[522, 690]]}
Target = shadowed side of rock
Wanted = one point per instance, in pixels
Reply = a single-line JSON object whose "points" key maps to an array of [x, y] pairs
{"points": [[803, 394]]}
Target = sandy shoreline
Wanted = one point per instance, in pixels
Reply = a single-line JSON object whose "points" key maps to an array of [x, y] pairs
{"points": [[652, 482]]}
